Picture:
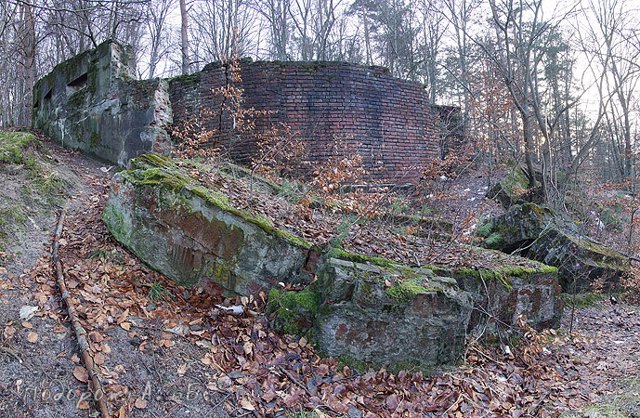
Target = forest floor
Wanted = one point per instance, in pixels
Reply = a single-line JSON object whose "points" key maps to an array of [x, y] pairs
{"points": [[166, 351]]}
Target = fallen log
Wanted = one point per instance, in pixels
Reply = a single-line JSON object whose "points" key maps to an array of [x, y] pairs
{"points": [[94, 383]]}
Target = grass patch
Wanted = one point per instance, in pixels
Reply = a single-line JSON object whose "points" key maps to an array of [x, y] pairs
{"points": [[13, 146], [158, 293], [11, 218], [623, 405], [582, 300]]}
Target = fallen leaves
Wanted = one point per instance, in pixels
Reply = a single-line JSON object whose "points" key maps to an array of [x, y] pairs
{"points": [[246, 364], [9, 332], [140, 403], [81, 374], [32, 337]]}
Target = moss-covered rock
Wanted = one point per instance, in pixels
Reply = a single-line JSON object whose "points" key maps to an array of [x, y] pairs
{"points": [[377, 312], [378, 315], [13, 146], [192, 234], [514, 189], [535, 232]]}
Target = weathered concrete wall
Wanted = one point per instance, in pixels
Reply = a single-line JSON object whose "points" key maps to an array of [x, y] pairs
{"points": [[362, 308], [91, 102]]}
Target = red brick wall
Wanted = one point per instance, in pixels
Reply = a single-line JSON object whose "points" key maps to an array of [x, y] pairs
{"points": [[389, 120]]}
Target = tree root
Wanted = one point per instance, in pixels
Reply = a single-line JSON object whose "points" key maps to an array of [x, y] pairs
{"points": [[94, 384]]}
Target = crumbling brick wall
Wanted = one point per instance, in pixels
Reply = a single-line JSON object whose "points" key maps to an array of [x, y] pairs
{"points": [[388, 120]]}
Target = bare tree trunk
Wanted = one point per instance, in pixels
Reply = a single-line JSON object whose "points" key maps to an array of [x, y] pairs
{"points": [[28, 46], [184, 36]]}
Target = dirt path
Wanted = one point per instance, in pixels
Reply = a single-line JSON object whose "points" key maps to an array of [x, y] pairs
{"points": [[166, 351], [37, 343]]}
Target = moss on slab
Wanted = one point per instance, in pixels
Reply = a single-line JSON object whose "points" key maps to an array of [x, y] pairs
{"points": [[158, 170], [152, 160], [116, 222], [593, 247], [407, 290], [360, 258], [295, 310]]}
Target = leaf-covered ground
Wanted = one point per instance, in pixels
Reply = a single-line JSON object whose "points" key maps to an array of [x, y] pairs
{"points": [[166, 351], [373, 224]]}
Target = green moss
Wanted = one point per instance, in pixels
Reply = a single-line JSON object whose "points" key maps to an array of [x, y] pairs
{"points": [[360, 258], [153, 160], [13, 146], [115, 220], [407, 290], [156, 170], [220, 273], [593, 247], [188, 79], [362, 366], [485, 228], [354, 364], [94, 141], [494, 240], [538, 210], [582, 300], [515, 181], [10, 218], [50, 186], [295, 311]]}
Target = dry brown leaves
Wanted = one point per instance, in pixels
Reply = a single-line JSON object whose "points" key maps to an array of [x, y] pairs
{"points": [[263, 372]]}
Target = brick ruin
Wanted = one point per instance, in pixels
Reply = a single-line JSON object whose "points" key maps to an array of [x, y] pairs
{"points": [[92, 102]]}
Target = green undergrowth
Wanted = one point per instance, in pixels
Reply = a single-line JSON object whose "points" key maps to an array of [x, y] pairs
{"points": [[11, 218], [13, 146], [25, 150], [35, 185], [295, 311], [583, 300]]}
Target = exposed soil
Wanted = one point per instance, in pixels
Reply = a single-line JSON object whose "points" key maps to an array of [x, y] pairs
{"points": [[166, 351]]}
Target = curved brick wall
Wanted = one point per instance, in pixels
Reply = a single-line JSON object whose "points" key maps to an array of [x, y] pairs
{"points": [[390, 120], [91, 102]]}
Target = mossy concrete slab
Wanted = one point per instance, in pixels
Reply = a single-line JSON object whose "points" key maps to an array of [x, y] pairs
{"points": [[192, 235], [535, 232], [376, 312], [379, 315]]}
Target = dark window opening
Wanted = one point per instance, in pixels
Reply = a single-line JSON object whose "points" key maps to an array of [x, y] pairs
{"points": [[77, 84]]}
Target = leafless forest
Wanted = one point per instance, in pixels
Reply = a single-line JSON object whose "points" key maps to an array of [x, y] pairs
{"points": [[551, 85]]}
